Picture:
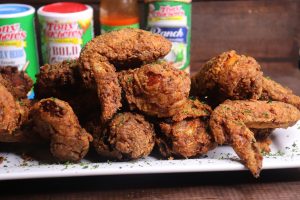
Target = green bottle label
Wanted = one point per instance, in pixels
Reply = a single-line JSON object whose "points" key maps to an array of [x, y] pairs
{"points": [[107, 28], [18, 44], [172, 19]]}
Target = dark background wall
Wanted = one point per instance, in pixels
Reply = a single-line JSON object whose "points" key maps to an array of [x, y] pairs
{"points": [[269, 30]]}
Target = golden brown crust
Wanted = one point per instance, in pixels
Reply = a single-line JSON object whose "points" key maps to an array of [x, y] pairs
{"points": [[187, 138], [126, 47], [128, 136], [230, 123], [228, 76], [276, 92], [192, 109], [10, 116], [17, 83], [63, 81], [253, 114], [54, 120], [157, 89], [108, 90]]}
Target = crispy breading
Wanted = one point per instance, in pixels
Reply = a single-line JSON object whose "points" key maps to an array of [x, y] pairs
{"points": [[273, 91], [126, 48], [17, 83], [191, 109], [63, 81], [187, 138], [55, 120], [228, 76], [128, 136], [157, 89], [230, 123]]}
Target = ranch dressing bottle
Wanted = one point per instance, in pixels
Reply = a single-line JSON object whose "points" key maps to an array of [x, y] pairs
{"points": [[172, 19]]}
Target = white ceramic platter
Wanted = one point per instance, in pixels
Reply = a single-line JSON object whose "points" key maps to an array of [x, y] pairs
{"points": [[285, 154]]}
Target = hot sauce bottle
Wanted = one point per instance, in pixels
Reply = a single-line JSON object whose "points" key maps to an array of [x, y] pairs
{"points": [[118, 14]]}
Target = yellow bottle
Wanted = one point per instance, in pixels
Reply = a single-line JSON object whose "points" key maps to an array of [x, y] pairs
{"points": [[119, 14]]}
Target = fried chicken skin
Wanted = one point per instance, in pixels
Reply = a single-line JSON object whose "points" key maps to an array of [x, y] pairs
{"points": [[126, 48], [121, 48], [55, 120], [17, 83], [230, 123], [63, 81], [157, 89], [263, 139], [11, 112], [128, 136], [228, 76], [191, 109], [187, 138], [273, 91]]}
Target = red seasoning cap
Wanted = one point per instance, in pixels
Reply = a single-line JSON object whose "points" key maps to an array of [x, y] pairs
{"points": [[65, 7]]}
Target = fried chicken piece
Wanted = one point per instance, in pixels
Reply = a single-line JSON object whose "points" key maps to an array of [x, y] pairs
{"points": [[230, 123], [108, 90], [54, 120], [228, 76], [191, 109], [17, 83], [11, 112], [273, 91], [122, 48], [58, 80], [128, 136], [63, 81], [157, 89], [126, 48], [187, 138]]}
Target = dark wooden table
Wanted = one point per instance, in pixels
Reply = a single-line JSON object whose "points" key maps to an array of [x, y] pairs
{"points": [[265, 29]]}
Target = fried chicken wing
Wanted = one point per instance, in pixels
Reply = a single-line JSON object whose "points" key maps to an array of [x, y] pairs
{"points": [[17, 83], [54, 120], [187, 138], [157, 89], [275, 92], [228, 76], [128, 136], [126, 48], [230, 123]]}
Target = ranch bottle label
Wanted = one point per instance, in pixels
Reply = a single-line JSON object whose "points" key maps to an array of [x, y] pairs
{"points": [[63, 34], [172, 19], [17, 38]]}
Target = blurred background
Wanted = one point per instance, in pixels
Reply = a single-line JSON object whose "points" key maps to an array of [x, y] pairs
{"points": [[268, 30]]}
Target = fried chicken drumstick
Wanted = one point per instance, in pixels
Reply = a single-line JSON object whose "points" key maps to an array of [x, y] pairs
{"points": [[54, 120]]}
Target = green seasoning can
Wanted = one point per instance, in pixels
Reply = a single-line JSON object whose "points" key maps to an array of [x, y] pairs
{"points": [[172, 19], [18, 39], [65, 28]]}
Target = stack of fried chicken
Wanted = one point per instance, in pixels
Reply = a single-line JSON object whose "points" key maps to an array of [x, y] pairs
{"points": [[122, 98]]}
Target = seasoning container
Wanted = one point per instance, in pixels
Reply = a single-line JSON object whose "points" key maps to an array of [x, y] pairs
{"points": [[65, 28], [172, 19], [119, 14], [17, 38]]}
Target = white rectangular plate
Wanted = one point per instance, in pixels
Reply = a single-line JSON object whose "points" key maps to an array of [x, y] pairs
{"points": [[285, 154]]}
